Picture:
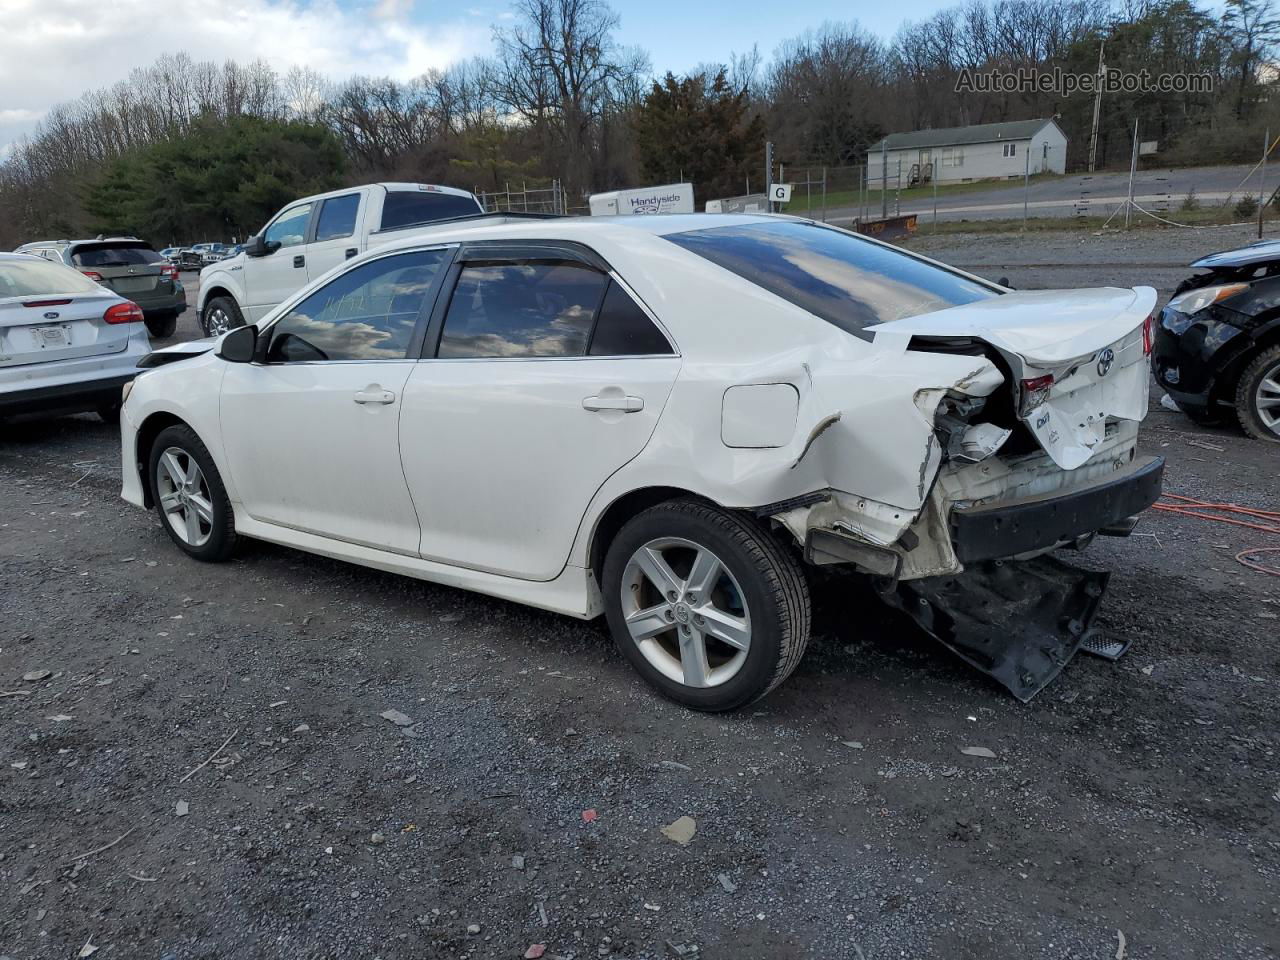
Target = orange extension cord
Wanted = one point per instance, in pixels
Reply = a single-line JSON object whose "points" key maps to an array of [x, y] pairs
{"points": [[1268, 521]]}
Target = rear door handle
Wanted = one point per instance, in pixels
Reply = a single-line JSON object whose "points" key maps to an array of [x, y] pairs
{"points": [[624, 404], [374, 394], [351, 252], [299, 261]]}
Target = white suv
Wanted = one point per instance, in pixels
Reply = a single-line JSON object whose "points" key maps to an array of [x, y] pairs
{"points": [[67, 343]]}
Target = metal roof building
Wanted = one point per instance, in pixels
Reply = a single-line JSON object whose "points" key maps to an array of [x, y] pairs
{"points": [[984, 151]]}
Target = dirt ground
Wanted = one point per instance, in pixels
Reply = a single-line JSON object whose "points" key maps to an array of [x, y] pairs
{"points": [[1130, 810]]}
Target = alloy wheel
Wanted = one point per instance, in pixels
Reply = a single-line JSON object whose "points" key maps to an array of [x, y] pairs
{"points": [[184, 496], [686, 612], [1266, 399], [219, 322]]}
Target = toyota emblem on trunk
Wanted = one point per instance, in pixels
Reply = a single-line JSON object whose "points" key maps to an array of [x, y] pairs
{"points": [[1105, 360]]}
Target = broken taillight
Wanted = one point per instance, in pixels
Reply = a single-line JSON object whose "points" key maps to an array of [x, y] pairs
{"points": [[1033, 393]]}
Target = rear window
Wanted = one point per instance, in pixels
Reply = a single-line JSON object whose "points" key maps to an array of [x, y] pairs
{"points": [[114, 256], [33, 277], [842, 278], [404, 207]]}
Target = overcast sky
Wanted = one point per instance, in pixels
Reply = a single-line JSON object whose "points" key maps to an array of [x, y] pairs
{"points": [[54, 50]]}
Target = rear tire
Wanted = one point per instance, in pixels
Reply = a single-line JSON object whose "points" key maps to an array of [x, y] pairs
{"points": [[1258, 396], [220, 315], [740, 621], [162, 325], [192, 503]]}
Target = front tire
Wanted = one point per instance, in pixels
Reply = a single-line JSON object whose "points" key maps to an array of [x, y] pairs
{"points": [[189, 495], [220, 315], [1258, 396], [706, 604]]}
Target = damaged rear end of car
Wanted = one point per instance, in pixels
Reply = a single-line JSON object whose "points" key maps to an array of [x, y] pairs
{"points": [[967, 442]]}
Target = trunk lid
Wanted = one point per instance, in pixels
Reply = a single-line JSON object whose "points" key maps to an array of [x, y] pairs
{"points": [[51, 327], [1091, 342]]}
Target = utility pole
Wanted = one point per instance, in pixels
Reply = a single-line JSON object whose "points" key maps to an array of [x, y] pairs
{"points": [[1097, 110], [768, 174], [935, 201], [1262, 178], [1133, 168], [884, 181], [1026, 185]]}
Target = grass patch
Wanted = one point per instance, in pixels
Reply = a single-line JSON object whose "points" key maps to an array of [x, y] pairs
{"points": [[852, 198], [1204, 217]]}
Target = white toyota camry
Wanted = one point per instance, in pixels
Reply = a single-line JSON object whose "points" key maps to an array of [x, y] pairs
{"points": [[668, 420]]}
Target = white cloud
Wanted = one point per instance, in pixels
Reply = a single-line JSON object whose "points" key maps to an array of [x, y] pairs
{"points": [[54, 50]]}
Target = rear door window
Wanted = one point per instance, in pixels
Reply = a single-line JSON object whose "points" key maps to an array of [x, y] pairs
{"points": [[844, 279], [522, 309], [623, 329], [401, 208], [338, 217]]}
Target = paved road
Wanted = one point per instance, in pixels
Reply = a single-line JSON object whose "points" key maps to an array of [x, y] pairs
{"points": [[1100, 193]]}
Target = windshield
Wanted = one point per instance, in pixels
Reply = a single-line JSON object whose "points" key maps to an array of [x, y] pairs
{"points": [[33, 277], [113, 256], [846, 280]]}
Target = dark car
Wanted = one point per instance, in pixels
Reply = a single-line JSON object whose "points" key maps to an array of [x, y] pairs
{"points": [[128, 266], [1217, 346]]}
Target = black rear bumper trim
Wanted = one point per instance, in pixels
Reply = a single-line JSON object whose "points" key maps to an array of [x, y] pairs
{"points": [[65, 398], [1010, 529]]}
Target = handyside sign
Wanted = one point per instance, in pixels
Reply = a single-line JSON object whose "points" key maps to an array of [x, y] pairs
{"points": [[669, 198]]}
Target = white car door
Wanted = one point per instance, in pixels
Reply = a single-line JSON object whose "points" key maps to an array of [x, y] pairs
{"points": [[310, 427], [336, 235], [282, 271], [547, 378]]}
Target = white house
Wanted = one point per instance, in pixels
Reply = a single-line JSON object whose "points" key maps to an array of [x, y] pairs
{"points": [[986, 151]]}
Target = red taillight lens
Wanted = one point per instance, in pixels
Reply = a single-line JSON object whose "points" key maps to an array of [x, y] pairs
{"points": [[127, 312], [1034, 392], [1148, 335], [170, 271], [92, 275]]}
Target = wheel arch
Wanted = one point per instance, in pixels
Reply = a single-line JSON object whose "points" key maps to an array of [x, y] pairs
{"points": [[1224, 389], [146, 436], [615, 516], [218, 288]]}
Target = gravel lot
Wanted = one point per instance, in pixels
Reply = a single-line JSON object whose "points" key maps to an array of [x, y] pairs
{"points": [[1130, 810]]}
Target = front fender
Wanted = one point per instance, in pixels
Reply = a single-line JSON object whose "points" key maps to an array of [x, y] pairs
{"points": [[188, 391], [215, 279]]}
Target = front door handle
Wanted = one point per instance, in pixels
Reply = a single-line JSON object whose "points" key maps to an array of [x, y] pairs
{"points": [[374, 394], [618, 402], [351, 252], [299, 261]]}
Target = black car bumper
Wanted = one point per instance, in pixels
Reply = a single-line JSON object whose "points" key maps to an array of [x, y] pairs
{"points": [[1036, 523], [66, 398], [1191, 353]]}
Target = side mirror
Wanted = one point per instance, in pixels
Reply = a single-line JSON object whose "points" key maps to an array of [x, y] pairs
{"points": [[239, 345], [257, 247]]}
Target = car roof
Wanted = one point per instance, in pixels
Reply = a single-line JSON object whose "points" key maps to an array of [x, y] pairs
{"points": [[577, 228]]}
